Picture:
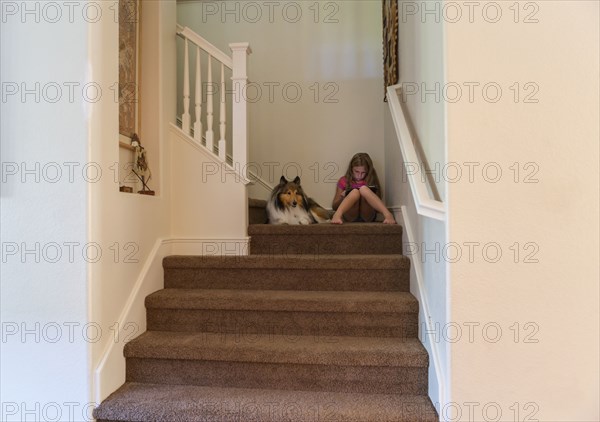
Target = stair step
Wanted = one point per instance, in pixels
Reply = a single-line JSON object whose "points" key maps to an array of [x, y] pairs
{"points": [[327, 228], [294, 272], [317, 323], [257, 214], [318, 239], [324, 313], [333, 350], [283, 300], [169, 403], [342, 364]]}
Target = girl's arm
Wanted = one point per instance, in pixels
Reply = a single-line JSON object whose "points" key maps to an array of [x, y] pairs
{"points": [[379, 193], [338, 198]]}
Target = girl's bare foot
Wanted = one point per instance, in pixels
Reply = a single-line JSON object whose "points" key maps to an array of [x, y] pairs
{"points": [[389, 219], [336, 219]]}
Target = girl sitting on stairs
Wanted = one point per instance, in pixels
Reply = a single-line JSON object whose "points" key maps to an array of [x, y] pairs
{"points": [[358, 194]]}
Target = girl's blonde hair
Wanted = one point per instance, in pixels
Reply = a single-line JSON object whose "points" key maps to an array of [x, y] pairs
{"points": [[363, 159]]}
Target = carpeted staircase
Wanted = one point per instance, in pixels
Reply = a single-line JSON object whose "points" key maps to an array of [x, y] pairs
{"points": [[316, 324]]}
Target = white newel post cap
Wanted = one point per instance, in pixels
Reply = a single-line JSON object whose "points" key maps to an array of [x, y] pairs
{"points": [[240, 50]]}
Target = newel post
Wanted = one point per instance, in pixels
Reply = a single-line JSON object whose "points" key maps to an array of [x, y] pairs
{"points": [[240, 52]]}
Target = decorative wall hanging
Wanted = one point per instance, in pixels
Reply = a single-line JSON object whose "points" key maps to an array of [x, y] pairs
{"points": [[128, 67], [390, 44]]}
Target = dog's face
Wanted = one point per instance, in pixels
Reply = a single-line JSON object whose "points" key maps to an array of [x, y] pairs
{"points": [[290, 194]]}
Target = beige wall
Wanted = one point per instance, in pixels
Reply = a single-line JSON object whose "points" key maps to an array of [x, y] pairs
{"points": [[551, 370], [333, 52], [44, 148], [138, 224], [420, 70], [130, 224], [421, 66], [208, 198]]}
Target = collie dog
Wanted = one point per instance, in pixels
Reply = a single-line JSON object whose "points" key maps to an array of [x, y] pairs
{"points": [[289, 205]]}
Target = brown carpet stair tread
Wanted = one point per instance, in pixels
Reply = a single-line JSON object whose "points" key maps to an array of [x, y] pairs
{"points": [[283, 300], [187, 403], [290, 262], [319, 239], [281, 349], [331, 229]]}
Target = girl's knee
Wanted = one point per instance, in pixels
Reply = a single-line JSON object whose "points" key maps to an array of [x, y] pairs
{"points": [[352, 197], [365, 190], [354, 193]]}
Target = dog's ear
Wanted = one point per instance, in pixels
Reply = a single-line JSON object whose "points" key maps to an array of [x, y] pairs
{"points": [[297, 180], [283, 180]]}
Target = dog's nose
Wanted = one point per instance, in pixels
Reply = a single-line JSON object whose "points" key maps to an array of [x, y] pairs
{"points": [[294, 204]]}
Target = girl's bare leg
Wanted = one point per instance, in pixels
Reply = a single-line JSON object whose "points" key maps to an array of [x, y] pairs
{"points": [[377, 204], [367, 212], [348, 208]]}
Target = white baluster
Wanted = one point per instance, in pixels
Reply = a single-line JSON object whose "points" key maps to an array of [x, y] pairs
{"points": [[209, 108], [185, 118], [222, 118], [239, 106], [198, 100]]}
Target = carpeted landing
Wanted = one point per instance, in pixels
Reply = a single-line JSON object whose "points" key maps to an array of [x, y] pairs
{"points": [[316, 324]]}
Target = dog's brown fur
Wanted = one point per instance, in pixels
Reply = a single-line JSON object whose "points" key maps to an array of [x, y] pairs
{"points": [[290, 205]]}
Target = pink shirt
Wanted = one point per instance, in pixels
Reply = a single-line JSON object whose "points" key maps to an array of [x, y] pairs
{"points": [[342, 183]]}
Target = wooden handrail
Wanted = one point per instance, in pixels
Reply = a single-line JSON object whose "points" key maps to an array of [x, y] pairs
{"points": [[187, 33]]}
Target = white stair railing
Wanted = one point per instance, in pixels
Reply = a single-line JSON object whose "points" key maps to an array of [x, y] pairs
{"points": [[426, 204], [198, 99], [237, 63]]}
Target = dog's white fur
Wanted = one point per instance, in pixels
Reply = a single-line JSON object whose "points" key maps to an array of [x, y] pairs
{"points": [[294, 215]]}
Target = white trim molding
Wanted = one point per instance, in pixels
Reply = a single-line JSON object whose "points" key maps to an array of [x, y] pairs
{"points": [[426, 205], [425, 309], [180, 134]]}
